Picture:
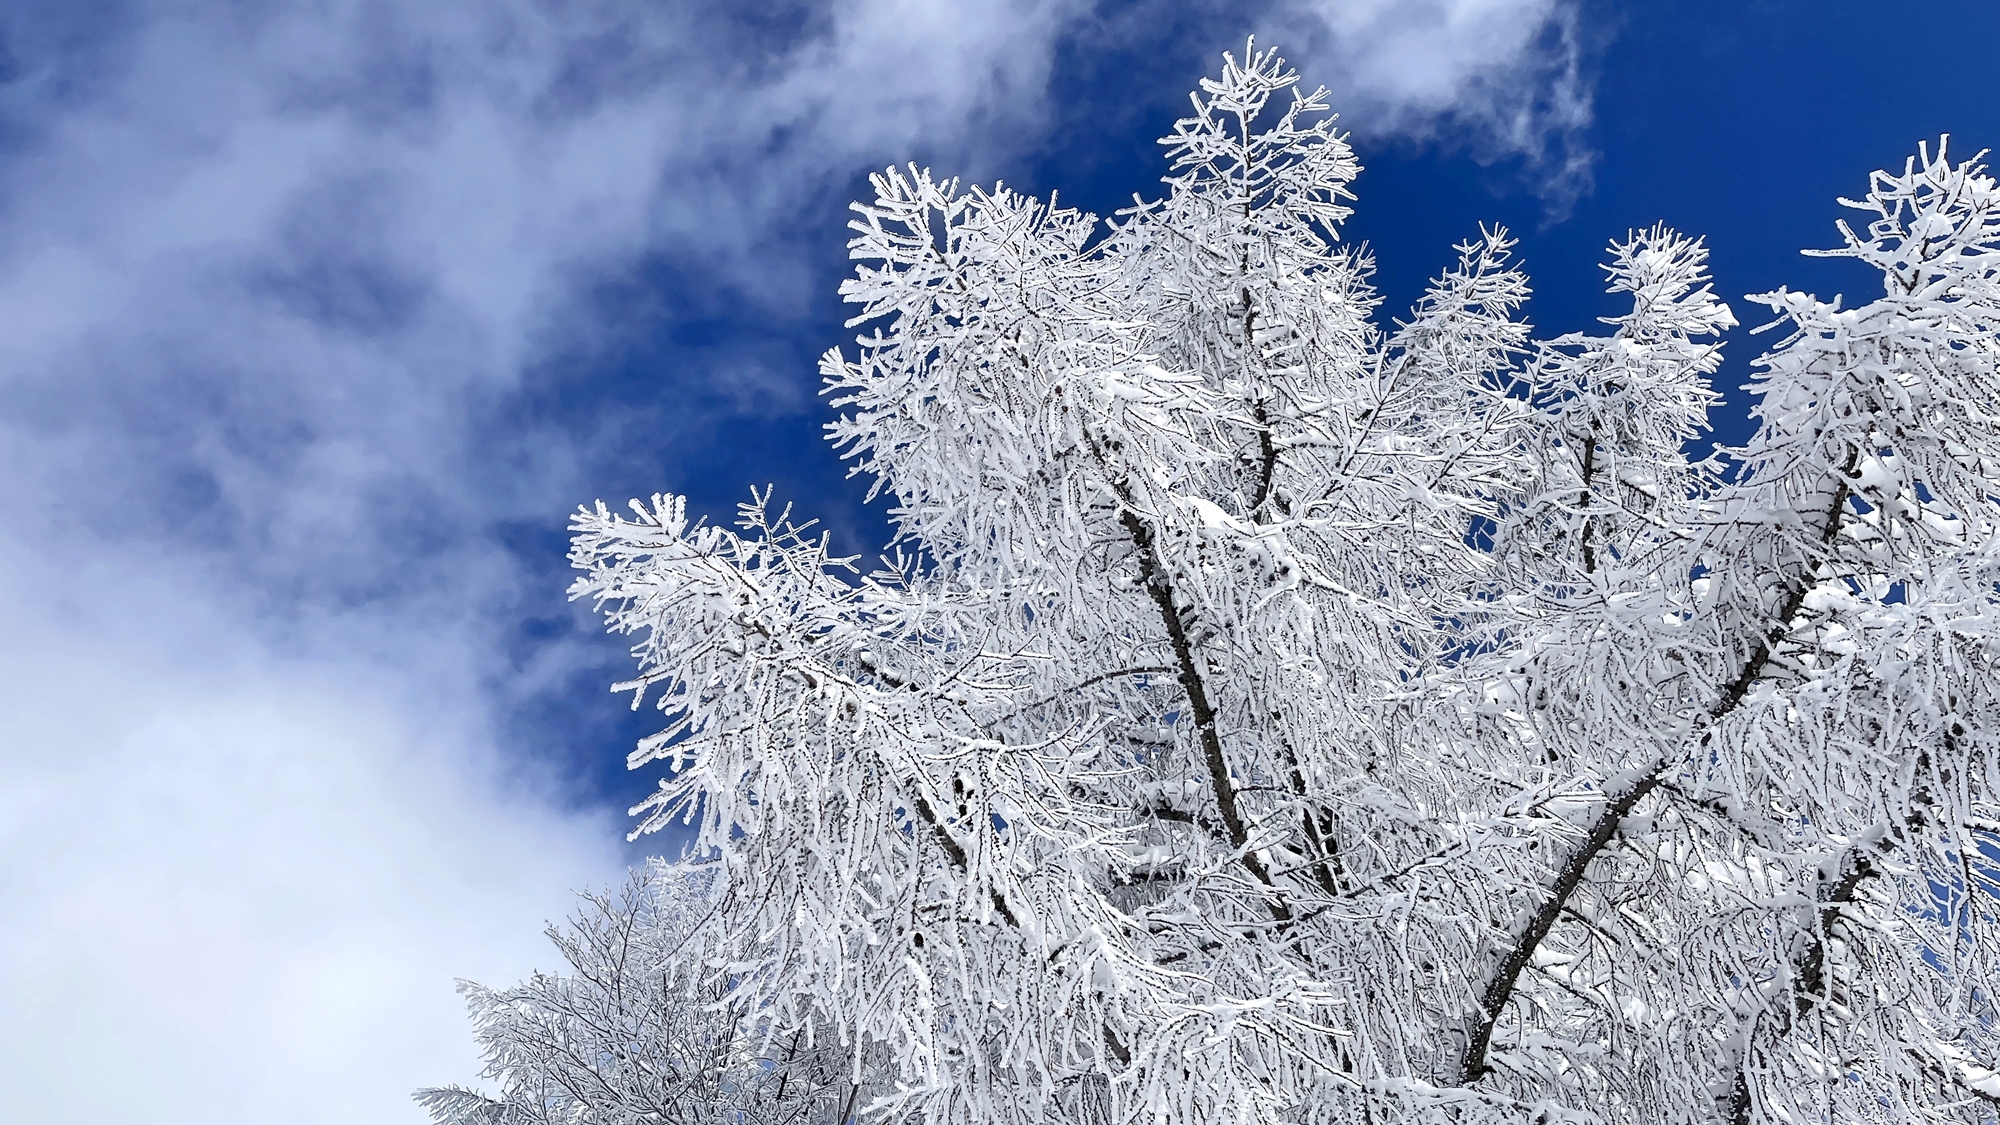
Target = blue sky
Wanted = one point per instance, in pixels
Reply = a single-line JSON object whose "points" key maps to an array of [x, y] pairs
{"points": [[317, 319]]}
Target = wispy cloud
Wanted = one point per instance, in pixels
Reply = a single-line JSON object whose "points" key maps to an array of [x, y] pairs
{"points": [[1507, 79], [294, 251]]}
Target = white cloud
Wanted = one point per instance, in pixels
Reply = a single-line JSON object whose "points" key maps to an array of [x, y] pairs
{"points": [[239, 885], [1504, 77], [261, 273]]}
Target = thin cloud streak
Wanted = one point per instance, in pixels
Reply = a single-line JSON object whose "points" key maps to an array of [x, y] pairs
{"points": [[1507, 79]]}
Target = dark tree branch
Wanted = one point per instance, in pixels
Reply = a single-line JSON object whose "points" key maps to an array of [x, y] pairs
{"points": [[956, 851], [1327, 869], [1583, 501], [1161, 591], [1472, 1065], [1136, 670], [1267, 450], [1501, 988], [1809, 970]]}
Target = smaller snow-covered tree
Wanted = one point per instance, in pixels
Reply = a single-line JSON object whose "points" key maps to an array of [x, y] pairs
{"points": [[640, 1028]]}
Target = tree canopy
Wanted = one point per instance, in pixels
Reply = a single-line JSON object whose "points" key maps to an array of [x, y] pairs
{"points": [[1269, 711]]}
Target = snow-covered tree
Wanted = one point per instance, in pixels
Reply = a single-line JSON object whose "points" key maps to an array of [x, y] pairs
{"points": [[1269, 713], [641, 1030]]}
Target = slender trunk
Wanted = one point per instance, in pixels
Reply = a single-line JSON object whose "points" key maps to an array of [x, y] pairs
{"points": [[1199, 706]]}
